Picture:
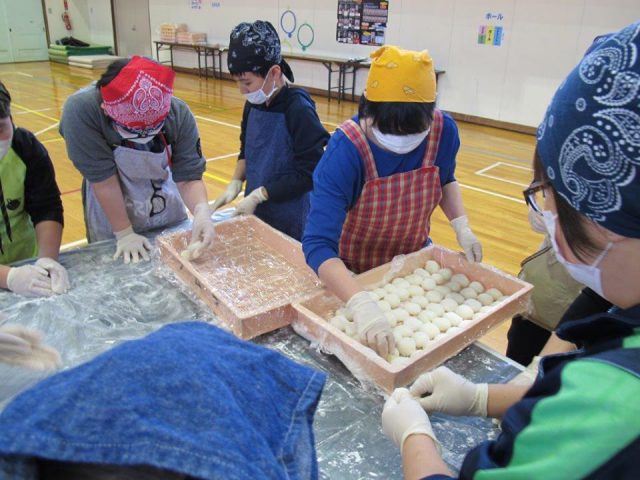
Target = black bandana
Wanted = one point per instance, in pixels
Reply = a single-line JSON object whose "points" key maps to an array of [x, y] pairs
{"points": [[5, 101], [253, 46]]}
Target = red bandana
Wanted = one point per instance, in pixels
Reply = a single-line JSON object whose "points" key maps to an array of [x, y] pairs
{"points": [[139, 97]]}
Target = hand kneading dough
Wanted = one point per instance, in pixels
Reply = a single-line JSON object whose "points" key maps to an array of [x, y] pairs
{"points": [[430, 329], [406, 346], [442, 323], [339, 322], [345, 312], [375, 295], [432, 266], [350, 330]]}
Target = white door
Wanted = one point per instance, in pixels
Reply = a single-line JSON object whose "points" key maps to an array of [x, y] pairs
{"points": [[133, 29], [5, 41], [25, 20]]}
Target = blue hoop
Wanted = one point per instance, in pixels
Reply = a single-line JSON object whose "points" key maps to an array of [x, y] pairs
{"points": [[295, 22], [313, 36]]}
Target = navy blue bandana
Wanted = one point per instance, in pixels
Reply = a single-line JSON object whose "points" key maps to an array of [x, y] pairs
{"points": [[253, 46], [589, 140]]}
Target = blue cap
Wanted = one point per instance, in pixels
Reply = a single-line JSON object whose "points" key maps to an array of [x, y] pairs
{"points": [[589, 140]]}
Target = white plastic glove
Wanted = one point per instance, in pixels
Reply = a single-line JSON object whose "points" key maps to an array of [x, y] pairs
{"points": [[30, 281], [249, 203], [403, 416], [232, 191], [372, 326], [131, 246], [528, 375], [536, 221], [202, 232], [57, 273], [449, 393], [466, 239], [24, 347]]}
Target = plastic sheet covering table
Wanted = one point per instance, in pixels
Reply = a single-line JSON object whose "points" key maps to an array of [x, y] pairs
{"points": [[111, 302]]}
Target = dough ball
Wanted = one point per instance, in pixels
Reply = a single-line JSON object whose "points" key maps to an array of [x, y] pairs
{"points": [[446, 273], [495, 293], [421, 272], [426, 316], [391, 318], [499, 301], [485, 299], [454, 318], [393, 299], [442, 323], [415, 291], [400, 313], [477, 316], [485, 309], [381, 292], [436, 308], [390, 288], [345, 312], [399, 361], [454, 330], [438, 278], [420, 300], [385, 306], [460, 278], [413, 323], [430, 329], [477, 286], [465, 312], [468, 292], [340, 322], [456, 296], [412, 308], [434, 296], [350, 330], [449, 304], [428, 284], [400, 282], [474, 304], [443, 290], [421, 339], [402, 293], [414, 279], [432, 266], [453, 286], [407, 346]]}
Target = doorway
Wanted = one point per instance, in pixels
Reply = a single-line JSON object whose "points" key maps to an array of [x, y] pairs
{"points": [[132, 26], [23, 36]]}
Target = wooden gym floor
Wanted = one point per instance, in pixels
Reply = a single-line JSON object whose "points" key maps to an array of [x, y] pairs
{"points": [[493, 165]]}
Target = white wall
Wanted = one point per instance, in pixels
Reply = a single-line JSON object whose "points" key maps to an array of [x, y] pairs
{"points": [[90, 20], [511, 83]]}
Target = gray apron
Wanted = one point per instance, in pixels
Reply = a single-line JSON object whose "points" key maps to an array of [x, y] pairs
{"points": [[151, 197]]}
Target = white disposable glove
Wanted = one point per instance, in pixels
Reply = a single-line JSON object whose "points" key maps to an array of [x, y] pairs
{"points": [[232, 191], [131, 246], [57, 273], [528, 375], [466, 239], [536, 221], [372, 326], [202, 232], [449, 393], [249, 203], [403, 416], [30, 281], [20, 346]]}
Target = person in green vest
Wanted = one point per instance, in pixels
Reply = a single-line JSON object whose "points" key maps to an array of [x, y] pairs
{"points": [[30, 212]]}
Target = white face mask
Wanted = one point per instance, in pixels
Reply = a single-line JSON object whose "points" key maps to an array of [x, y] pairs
{"points": [[5, 145], [399, 143], [132, 137], [588, 275], [259, 97]]}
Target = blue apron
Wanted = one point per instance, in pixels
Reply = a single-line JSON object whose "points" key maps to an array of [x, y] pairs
{"points": [[269, 154], [189, 398]]}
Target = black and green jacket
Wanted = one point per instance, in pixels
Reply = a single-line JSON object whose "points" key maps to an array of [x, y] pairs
{"points": [[581, 418], [28, 195]]}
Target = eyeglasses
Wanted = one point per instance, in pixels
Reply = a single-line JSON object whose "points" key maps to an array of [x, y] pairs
{"points": [[158, 202], [534, 195]]}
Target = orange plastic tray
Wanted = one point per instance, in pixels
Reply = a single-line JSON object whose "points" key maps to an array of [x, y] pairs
{"points": [[364, 363]]}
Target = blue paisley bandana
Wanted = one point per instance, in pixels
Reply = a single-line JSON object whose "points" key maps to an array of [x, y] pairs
{"points": [[253, 46], [589, 140]]}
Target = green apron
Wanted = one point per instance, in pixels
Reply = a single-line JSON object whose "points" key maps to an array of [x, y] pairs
{"points": [[17, 235]]}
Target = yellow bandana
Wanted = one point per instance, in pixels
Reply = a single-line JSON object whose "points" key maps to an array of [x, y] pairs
{"points": [[398, 75]]}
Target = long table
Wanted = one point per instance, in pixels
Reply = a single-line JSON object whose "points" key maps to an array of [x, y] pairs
{"points": [[214, 51], [110, 302]]}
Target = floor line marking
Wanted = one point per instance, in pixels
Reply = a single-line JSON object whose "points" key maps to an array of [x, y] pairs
{"points": [[36, 110], [220, 157], [495, 177], [50, 127], [215, 177], [499, 195], [28, 110], [200, 117], [486, 169], [52, 140]]}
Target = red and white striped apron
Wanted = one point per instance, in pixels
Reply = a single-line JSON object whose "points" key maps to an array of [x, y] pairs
{"points": [[392, 215]]}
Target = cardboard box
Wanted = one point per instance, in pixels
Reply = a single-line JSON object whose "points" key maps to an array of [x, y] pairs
{"points": [[249, 278], [364, 363]]}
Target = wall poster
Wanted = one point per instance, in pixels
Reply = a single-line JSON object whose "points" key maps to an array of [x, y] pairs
{"points": [[362, 22]]}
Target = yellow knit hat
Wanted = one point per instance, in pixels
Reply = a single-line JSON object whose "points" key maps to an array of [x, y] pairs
{"points": [[398, 75]]}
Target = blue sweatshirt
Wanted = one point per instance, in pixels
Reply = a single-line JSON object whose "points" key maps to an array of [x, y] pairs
{"points": [[339, 178]]}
